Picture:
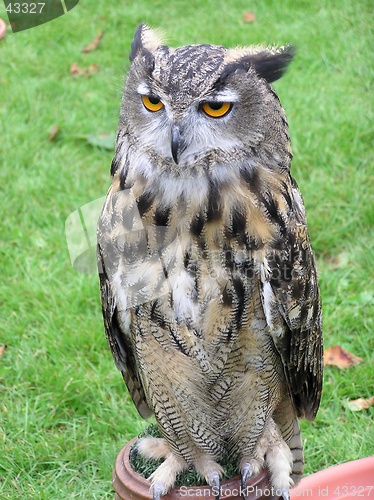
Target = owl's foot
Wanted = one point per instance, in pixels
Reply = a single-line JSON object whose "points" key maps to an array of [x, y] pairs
{"points": [[279, 462], [248, 470], [163, 478], [273, 453], [214, 480], [165, 475], [152, 448], [212, 472]]}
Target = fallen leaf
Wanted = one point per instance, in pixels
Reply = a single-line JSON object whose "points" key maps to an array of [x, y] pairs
{"points": [[75, 70], [105, 141], [94, 44], [339, 261], [337, 356], [360, 404], [249, 17], [53, 131], [91, 70], [3, 28], [2, 349]]}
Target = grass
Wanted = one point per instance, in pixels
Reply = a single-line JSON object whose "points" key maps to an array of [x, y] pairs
{"points": [[64, 410]]}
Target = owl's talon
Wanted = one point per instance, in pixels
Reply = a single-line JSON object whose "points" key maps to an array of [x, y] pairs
{"points": [[134, 453], [285, 494], [246, 472], [158, 490], [214, 481]]}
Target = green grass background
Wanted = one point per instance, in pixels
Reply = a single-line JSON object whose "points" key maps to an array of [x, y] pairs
{"points": [[64, 410]]}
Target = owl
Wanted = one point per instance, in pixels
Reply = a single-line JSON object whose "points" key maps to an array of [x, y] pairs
{"points": [[208, 284]]}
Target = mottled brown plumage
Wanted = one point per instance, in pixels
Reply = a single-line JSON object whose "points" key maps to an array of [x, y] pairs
{"points": [[208, 284]]}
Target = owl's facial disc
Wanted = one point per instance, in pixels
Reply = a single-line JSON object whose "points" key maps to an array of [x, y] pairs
{"points": [[204, 113], [212, 109], [188, 129]]}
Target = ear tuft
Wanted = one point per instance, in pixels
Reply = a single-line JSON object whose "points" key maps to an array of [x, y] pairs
{"points": [[145, 39], [271, 65]]}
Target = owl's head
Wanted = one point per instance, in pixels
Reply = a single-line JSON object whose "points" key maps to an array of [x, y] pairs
{"points": [[197, 106]]}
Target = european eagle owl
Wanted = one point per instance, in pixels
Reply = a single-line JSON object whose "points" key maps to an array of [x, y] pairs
{"points": [[208, 284]]}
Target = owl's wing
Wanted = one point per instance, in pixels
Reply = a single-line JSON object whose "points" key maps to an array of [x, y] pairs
{"points": [[119, 342], [292, 307]]}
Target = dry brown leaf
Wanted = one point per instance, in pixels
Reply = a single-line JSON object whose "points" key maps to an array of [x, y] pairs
{"points": [[75, 70], [2, 349], [360, 404], [338, 261], [249, 17], [91, 70], [53, 131], [3, 28], [337, 356], [94, 44]]}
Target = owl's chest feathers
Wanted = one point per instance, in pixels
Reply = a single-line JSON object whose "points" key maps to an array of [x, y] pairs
{"points": [[212, 251], [209, 234]]}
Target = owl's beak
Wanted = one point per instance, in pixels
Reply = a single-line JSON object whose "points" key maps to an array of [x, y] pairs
{"points": [[178, 145]]}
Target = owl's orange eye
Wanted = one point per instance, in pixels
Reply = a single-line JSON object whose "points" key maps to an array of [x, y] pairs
{"points": [[216, 109], [152, 103]]}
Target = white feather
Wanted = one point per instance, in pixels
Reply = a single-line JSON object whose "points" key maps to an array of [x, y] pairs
{"points": [[268, 300], [143, 89], [182, 288], [193, 189], [226, 95]]}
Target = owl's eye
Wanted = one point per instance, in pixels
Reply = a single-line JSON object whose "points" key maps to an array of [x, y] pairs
{"points": [[216, 109], [152, 102]]}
